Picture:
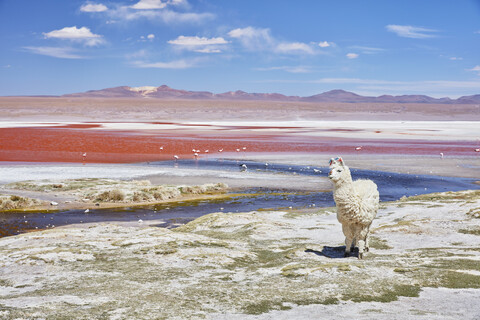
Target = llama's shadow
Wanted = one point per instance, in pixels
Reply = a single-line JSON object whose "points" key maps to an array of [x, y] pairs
{"points": [[333, 252]]}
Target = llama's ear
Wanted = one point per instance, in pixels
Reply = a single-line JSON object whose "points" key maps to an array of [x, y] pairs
{"points": [[331, 161], [340, 160]]}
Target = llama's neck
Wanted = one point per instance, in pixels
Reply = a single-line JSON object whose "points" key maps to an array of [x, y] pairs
{"points": [[343, 192]]}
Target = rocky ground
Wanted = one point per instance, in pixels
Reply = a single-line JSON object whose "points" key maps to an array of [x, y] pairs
{"points": [[424, 264]]}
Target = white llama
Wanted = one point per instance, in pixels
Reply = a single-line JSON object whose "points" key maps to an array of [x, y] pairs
{"points": [[357, 205]]}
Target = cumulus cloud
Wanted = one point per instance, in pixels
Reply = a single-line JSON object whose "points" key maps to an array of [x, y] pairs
{"points": [[199, 44], [158, 4], [149, 4], [411, 31], [165, 15], [82, 34], [93, 7], [175, 64], [324, 44], [294, 47], [290, 69], [260, 39], [56, 52], [475, 69], [253, 38], [197, 41], [352, 55], [151, 36]]}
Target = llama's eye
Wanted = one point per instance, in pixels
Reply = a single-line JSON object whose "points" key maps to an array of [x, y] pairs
{"points": [[339, 170]]}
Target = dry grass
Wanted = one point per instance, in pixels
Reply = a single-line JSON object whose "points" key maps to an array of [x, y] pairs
{"points": [[16, 202]]}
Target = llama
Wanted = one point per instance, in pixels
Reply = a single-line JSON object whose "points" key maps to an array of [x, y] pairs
{"points": [[357, 205]]}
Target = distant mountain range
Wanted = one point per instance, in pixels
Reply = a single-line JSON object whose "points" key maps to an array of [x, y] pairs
{"points": [[165, 92]]}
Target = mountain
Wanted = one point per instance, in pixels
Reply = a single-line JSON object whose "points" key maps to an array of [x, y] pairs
{"points": [[165, 92]]}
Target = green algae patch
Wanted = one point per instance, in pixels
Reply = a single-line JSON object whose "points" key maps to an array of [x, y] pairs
{"points": [[379, 244], [385, 293], [475, 232], [459, 195], [309, 212]]}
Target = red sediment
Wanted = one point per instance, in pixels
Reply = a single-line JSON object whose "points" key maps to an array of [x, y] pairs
{"points": [[68, 143]]}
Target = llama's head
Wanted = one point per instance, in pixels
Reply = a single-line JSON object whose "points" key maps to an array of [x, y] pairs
{"points": [[339, 171], [336, 162]]}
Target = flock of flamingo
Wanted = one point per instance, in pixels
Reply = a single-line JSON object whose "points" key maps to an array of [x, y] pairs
{"points": [[196, 152]]}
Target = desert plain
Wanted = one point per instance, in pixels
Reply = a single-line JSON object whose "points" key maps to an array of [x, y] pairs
{"points": [[263, 264]]}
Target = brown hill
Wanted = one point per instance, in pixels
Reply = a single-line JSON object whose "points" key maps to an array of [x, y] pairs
{"points": [[165, 92]]}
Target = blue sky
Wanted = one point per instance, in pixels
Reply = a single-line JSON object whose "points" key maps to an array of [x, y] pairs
{"points": [[290, 47]]}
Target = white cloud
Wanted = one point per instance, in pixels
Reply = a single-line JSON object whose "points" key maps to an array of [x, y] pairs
{"points": [[151, 36], [176, 64], [456, 58], [352, 55], [149, 4], [165, 15], [208, 50], [258, 39], [294, 47], [367, 50], [56, 52], [291, 69], [197, 41], [199, 44], [137, 54], [158, 4], [324, 44], [411, 31], [475, 69], [82, 34], [93, 7], [253, 38]]}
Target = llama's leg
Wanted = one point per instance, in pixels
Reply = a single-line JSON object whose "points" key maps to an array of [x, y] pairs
{"points": [[348, 232], [362, 235], [367, 240]]}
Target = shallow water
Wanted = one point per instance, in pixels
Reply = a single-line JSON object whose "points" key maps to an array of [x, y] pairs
{"points": [[392, 186]]}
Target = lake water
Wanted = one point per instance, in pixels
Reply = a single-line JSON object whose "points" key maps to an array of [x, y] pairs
{"points": [[392, 186]]}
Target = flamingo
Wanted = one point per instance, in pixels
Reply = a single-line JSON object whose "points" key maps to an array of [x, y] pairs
{"points": [[358, 148], [84, 155], [220, 150], [195, 155], [477, 150], [244, 148], [441, 155], [175, 157], [243, 167], [238, 150]]}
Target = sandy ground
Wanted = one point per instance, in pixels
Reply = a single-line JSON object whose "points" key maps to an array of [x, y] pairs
{"points": [[88, 109]]}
